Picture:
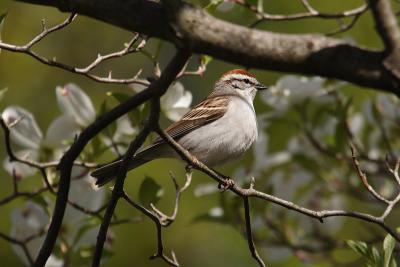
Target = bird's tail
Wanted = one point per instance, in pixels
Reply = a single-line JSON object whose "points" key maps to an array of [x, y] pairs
{"points": [[108, 172]]}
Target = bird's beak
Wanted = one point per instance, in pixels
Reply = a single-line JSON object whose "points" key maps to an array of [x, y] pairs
{"points": [[261, 87]]}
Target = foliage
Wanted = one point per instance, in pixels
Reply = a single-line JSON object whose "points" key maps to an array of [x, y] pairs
{"points": [[306, 128]]}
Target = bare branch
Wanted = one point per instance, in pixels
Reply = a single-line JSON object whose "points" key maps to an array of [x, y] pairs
{"points": [[302, 53], [17, 242], [363, 177], [251, 192], [311, 13], [85, 71], [160, 247], [164, 219], [156, 89], [387, 26], [250, 240], [117, 192]]}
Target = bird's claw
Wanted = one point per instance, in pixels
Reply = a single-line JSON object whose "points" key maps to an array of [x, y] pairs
{"points": [[228, 183]]}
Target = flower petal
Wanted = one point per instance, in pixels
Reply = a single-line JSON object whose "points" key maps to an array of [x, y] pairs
{"points": [[123, 135], [21, 170], [53, 261], [84, 192], [61, 129], [75, 102], [137, 87], [184, 101], [27, 222], [174, 114], [23, 127], [173, 94]]}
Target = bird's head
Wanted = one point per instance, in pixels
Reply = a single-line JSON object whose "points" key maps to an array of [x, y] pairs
{"points": [[239, 82]]}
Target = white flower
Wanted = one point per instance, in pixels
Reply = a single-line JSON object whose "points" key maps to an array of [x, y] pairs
{"points": [[389, 106], [356, 123], [264, 159], [78, 112], [291, 89], [175, 102], [25, 132], [76, 104], [86, 194], [27, 222], [122, 136], [33, 219], [24, 129]]}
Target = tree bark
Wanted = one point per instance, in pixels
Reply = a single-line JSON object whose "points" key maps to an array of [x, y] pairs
{"points": [[189, 26]]}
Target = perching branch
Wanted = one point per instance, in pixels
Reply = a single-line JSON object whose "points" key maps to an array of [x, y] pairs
{"points": [[251, 192]]}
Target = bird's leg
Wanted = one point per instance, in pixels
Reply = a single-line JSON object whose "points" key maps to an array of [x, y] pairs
{"points": [[226, 184]]}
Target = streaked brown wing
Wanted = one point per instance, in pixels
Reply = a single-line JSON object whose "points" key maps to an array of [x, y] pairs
{"points": [[207, 111]]}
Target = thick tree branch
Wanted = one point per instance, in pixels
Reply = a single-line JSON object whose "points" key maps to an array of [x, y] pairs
{"points": [[117, 192], [156, 89], [387, 27], [185, 24]]}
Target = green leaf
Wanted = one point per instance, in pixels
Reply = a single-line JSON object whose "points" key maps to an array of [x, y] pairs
{"points": [[375, 257], [102, 109], [160, 44], [358, 246], [2, 17], [150, 192], [388, 245], [204, 60], [120, 97], [136, 114], [91, 222], [3, 92], [340, 136], [213, 4]]}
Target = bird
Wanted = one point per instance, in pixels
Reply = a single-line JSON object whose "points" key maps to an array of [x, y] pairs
{"points": [[218, 130]]}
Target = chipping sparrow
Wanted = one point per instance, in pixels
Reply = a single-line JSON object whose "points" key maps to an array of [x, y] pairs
{"points": [[219, 129]]}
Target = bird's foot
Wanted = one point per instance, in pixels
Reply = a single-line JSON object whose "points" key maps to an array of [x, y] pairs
{"points": [[228, 183]]}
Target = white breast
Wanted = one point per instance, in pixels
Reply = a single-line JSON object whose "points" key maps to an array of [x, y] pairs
{"points": [[226, 138]]}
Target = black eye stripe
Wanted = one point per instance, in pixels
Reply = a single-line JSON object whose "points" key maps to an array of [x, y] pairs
{"points": [[248, 81]]}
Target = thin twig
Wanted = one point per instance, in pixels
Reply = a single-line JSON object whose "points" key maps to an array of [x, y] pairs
{"points": [[85, 71], [165, 219], [160, 247], [363, 177], [249, 233]]}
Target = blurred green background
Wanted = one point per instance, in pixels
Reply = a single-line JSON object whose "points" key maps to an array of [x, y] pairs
{"points": [[32, 86]]}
